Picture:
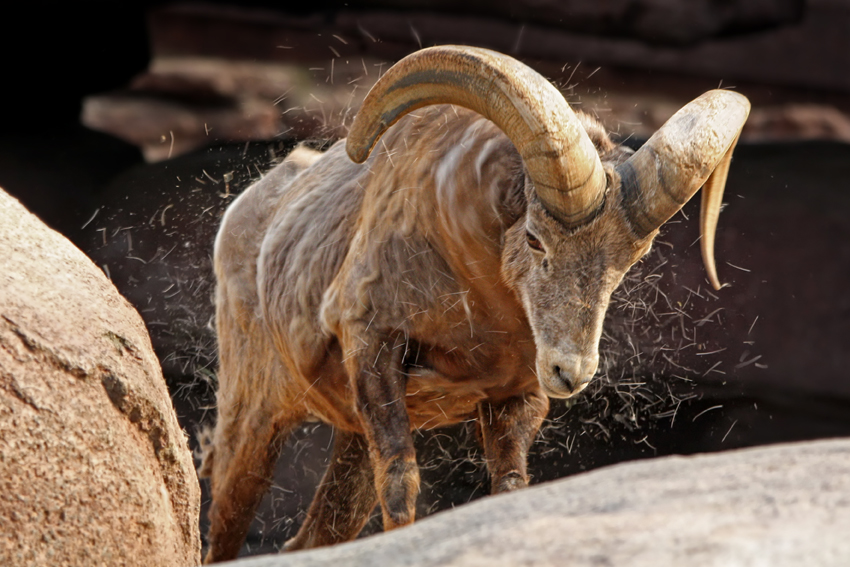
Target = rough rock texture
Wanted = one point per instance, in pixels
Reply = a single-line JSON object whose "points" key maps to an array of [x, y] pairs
{"points": [[94, 469], [779, 505]]}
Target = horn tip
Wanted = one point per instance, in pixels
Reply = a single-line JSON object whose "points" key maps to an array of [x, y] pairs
{"points": [[356, 152], [731, 98], [715, 283]]}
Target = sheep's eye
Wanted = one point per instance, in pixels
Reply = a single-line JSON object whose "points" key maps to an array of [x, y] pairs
{"points": [[533, 242]]}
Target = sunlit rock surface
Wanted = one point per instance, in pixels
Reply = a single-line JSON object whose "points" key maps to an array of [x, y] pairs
{"points": [[94, 468], [779, 505]]}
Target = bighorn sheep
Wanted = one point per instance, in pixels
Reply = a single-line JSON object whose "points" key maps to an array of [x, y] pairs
{"points": [[460, 272]]}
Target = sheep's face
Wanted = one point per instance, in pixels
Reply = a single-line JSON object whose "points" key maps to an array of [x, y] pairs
{"points": [[565, 279]]}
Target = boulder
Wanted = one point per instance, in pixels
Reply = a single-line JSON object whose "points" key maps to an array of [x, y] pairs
{"points": [[94, 468], [783, 505]]}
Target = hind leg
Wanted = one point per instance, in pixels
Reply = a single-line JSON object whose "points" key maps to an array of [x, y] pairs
{"points": [[254, 421], [245, 452], [345, 498]]}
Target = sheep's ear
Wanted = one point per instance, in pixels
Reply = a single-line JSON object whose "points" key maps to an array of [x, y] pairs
{"points": [[693, 148]]}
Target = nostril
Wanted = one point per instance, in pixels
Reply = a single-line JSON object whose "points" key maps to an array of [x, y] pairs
{"points": [[558, 372]]}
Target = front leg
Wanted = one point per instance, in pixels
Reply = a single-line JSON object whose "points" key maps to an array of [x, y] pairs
{"points": [[379, 386], [507, 429]]}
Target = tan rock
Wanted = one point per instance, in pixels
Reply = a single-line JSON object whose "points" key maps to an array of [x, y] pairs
{"points": [[94, 468], [783, 505]]}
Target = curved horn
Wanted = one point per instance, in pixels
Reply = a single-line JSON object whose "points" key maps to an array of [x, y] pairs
{"points": [[693, 148], [560, 159]]}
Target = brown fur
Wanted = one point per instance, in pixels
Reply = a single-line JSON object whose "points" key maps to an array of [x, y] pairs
{"points": [[394, 295]]}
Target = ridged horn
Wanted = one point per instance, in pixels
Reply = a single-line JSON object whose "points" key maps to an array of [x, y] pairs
{"points": [[691, 150], [560, 159]]}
